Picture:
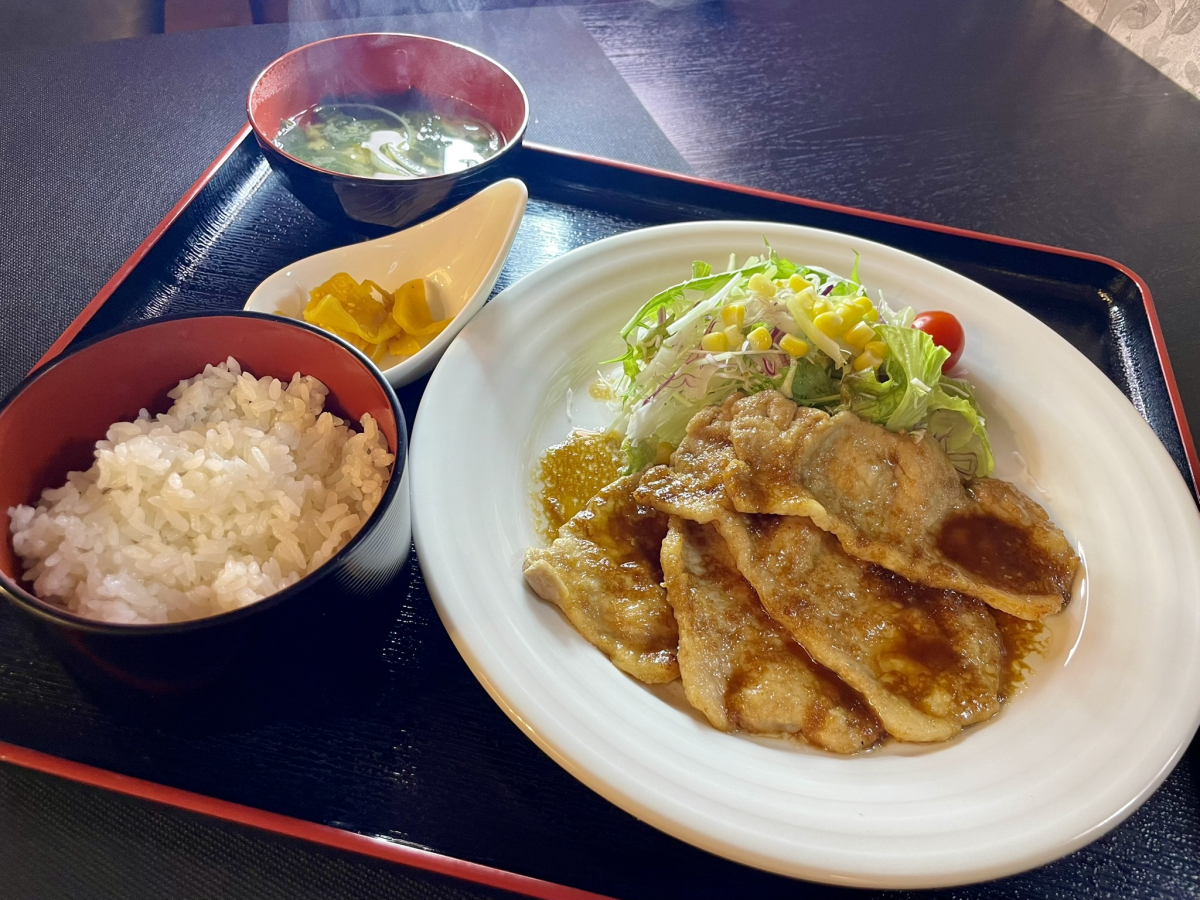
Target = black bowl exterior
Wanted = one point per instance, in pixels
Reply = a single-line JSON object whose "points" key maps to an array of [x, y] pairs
{"points": [[386, 203], [385, 64]]}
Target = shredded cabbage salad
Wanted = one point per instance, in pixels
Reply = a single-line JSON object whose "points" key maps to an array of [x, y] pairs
{"points": [[809, 333]]}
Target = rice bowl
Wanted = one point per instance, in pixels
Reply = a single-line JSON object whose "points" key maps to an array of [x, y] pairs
{"points": [[240, 489], [49, 425]]}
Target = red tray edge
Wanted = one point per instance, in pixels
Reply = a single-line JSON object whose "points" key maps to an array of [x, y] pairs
{"points": [[382, 848], [338, 838]]}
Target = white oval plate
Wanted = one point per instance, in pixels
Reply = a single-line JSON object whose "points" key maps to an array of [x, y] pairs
{"points": [[1103, 718], [459, 254]]}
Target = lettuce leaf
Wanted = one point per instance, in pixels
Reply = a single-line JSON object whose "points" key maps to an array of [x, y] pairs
{"points": [[916, 395], [784, 268], [913, 366], [810, 384], [956, 423], [638, 456]]}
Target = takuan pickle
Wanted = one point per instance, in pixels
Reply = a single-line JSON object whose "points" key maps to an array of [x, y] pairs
{"points": [[378, 322]]}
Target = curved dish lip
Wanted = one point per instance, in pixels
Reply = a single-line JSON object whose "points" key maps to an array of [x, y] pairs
{"points": [[411, 368], [46, 611], [648, 812], [362, 179]]}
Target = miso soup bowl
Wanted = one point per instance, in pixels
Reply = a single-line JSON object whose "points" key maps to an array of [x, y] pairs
{"points": [[49, 426], [359, 67]]}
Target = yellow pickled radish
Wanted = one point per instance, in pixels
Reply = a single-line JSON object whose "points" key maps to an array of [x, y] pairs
{"points": [[411, 310], [329, 313], [375, 321], [404, 345]]}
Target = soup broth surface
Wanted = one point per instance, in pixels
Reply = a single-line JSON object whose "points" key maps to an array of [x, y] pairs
{"points": [[410, 136]]}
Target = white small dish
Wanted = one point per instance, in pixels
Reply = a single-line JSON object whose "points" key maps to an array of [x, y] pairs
{"points": [[1101, 720], [459, 254]]}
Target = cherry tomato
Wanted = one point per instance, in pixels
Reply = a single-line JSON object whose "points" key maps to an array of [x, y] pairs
{"points": [[946, 331]]}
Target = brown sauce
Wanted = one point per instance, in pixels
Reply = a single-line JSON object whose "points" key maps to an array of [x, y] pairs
{"points": [[931, 651], [999, 553], [1021, 639], [920, 637], [571, 473], [630, 532]]}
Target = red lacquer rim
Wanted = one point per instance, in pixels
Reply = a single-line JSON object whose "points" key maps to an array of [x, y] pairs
{"points": [[382, 848]]}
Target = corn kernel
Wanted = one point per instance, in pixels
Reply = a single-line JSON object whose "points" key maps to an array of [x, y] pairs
{"points": [[662, 454], [807, 296], [760, 338], [715, 342], [879, 348], [793, 346], [860, 335], [761, 284], [870, 313], [734, 314], [797, 284], [734, 335], [850, 314], [829, 323], [866, 361]]}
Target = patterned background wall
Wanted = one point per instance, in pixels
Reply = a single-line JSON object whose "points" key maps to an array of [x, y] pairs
{"points": [[1165, 33]]}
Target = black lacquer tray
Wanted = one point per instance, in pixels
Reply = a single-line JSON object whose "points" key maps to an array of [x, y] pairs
{"points": [[402, 755]]}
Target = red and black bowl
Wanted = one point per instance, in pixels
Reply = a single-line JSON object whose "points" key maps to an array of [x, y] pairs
{"points": [[49, 426], [361, 67]]}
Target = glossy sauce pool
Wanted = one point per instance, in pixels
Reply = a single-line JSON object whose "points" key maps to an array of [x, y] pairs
{"points": [[999, 553], [1022, 639], [571, 473]]}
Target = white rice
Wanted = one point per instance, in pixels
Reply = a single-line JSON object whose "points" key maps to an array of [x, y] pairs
{"points": [[242, 488]]}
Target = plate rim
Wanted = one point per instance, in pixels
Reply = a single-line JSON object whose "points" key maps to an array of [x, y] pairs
{"points": [[647, 812]]}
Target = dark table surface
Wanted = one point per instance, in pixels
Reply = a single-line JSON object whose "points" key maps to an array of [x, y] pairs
{"points": [[1017, 118]]}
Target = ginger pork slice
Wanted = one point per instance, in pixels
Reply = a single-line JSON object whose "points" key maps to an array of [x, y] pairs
{"points": [[693, 485], [926, 661], [741, 669], [603, 571], [893, 499]]}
